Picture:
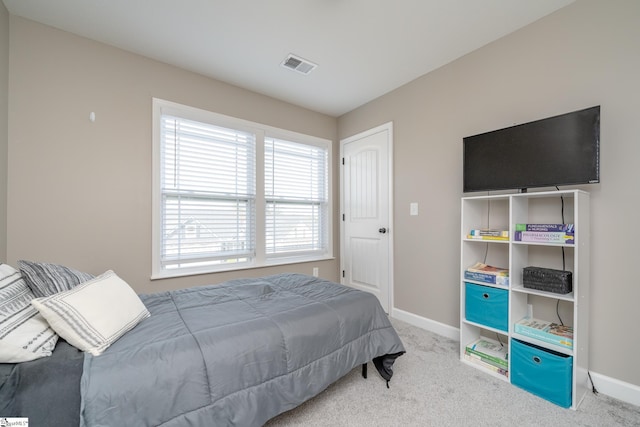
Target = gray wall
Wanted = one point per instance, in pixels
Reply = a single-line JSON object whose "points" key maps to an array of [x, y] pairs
{"points": [[80, 192], [583, 55], [4, 135]]}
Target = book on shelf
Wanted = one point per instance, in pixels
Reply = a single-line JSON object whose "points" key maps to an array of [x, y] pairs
{"points": [[548, 332], [564, 237], [489, 351], [477, 361], [490, 279], [484, 273], [489, 232], [480, 267], [500, 238], [485, 362], [546, 227]]}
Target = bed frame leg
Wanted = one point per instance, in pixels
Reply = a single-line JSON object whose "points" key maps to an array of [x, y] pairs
{"points": [[364, 370]]}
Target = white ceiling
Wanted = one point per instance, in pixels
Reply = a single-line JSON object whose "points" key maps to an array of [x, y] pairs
{"points": [[363, 48]]}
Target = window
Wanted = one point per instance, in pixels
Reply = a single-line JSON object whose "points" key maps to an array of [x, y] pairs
{"points": [[296, 198], [231, 194], [207, 188]]}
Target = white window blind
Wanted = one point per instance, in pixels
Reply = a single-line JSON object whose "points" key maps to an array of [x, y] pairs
{"points": [[208, 194], [296, 195]]}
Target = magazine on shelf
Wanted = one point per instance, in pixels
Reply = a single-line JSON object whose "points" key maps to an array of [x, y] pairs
{"points": [[548, 332]]}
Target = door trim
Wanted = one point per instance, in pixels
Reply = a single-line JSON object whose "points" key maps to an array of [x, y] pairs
{"points": [[391, 236]]}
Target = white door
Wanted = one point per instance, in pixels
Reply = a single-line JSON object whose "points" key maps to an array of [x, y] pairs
{"points": [[366, 235]]}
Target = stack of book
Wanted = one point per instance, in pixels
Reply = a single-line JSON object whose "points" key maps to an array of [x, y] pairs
{"points": [[488, 234], [484, 273], [489, 354], [545, 233], [548, 332]]}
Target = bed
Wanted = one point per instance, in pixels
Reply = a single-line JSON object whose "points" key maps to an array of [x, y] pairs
{"points": [[237, 353]]}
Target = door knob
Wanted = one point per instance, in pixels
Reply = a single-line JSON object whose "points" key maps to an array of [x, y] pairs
{"points": [[382, 230]]}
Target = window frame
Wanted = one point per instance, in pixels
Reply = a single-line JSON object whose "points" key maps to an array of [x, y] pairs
{"points": [[161, 107]]}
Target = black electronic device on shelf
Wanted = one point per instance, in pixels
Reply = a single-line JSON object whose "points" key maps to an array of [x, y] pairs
{"points": [[547, 279], [559, 150]]}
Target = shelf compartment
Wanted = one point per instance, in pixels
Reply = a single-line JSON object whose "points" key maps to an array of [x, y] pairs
{"points": [[543, 208], [563, 297], [545, 373], [485, 212], [491, 357], [487, 252], [487, 305]]}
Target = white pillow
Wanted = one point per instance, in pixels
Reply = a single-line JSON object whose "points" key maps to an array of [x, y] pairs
{"points": [[24, 334], [94, 314]]}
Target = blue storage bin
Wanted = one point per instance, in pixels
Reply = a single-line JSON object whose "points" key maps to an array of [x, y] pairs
{"points": [[540, 371], [487, 306]]}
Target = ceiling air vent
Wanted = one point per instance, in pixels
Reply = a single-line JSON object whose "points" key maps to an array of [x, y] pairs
{"points": [[298, 64]]}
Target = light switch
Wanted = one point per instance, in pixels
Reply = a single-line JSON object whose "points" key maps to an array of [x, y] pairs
{"points": [[413, 208]]}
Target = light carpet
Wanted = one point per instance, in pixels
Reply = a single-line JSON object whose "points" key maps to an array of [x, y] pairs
{"points": [[431, 387]]}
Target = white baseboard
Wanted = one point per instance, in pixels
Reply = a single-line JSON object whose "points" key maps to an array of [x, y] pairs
{"points": [[617, 389], [612, 387], [427, 324]]}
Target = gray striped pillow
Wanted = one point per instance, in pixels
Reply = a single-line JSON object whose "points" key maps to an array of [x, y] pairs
{"points": [[24, 334], [48, 279]]}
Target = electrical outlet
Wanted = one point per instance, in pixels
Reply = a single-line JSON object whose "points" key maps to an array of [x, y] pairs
{"points": [[315, 271]]}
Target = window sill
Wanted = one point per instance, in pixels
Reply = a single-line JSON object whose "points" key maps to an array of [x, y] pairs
{"points": [[252, 266]]}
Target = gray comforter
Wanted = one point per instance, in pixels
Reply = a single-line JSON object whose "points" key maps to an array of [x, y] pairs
{"points": [[236, 354]]}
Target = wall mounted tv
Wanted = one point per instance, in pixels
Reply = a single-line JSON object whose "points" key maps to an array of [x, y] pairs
{"points": [[559, 150]]}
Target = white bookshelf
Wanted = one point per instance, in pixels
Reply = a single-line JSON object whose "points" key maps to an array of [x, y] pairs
{"points": [[503, 212]]}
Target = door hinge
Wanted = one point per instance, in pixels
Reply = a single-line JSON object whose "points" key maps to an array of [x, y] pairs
{"points": [[343, 217], [343, 160], [342, 273]]}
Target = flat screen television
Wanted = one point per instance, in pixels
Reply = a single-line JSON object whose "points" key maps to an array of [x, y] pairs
{"points": [[559, 150]]}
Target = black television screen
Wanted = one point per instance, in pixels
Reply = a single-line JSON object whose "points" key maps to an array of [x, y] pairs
{"points": [[559, 150]]}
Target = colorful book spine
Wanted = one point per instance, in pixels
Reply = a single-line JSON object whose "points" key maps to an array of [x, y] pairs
{"points": [[561, 237], [565, 228], [486, 278], [489, 233], [476, 361], [548, 332], [469, 236]]}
